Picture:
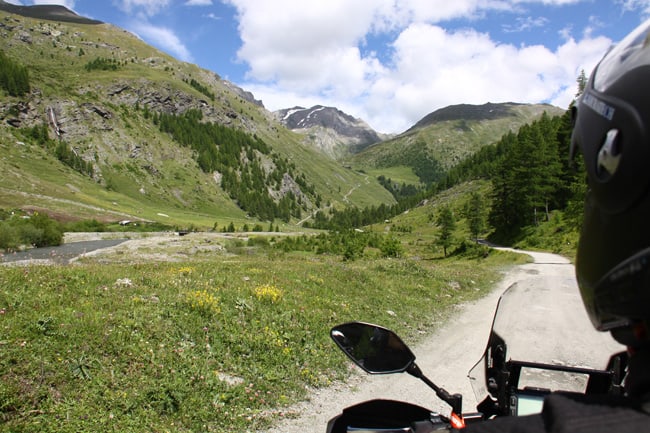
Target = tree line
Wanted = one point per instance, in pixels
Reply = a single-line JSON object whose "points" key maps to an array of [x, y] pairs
{"points": [[102, 64], [38, 134], [14, 78], [238, 158], [531, 175], [349, 244], [530, 172]]}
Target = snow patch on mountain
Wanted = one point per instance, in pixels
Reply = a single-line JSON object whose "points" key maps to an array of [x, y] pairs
{"points": [[329, 129]]}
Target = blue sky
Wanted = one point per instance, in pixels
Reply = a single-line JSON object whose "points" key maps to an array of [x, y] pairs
{"points": [[389, 62]]}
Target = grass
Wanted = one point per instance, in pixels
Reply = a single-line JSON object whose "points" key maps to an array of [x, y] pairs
{"points": [[222, 342]]}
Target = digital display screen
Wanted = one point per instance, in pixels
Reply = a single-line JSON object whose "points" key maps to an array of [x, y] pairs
{"points": [[528, 404]]}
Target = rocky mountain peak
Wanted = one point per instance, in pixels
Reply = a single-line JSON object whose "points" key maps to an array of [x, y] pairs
{"points": [[333, 131]]}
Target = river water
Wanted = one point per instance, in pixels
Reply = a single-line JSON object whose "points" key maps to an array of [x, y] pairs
{"points": [[61, 254]]}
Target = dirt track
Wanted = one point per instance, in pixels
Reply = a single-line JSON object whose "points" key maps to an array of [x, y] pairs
{"points": [[448, 354]]}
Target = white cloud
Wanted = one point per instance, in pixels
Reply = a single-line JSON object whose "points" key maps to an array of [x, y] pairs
{"points": [[163, 38], [642, 6], [524, 24], [435, 68], [142, 8], [198, 3], [309, 53]]}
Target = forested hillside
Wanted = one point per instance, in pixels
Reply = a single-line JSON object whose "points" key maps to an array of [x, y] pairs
{"points": [[247, 168], [444, 138], [14, 77], [529, 174], [94, 123]]}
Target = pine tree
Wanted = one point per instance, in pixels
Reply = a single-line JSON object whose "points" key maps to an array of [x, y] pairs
{"points": [[447, 225], [582, 82], [476, 215]]}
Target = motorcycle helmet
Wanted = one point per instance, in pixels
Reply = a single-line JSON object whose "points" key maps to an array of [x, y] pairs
{"points": [[611, 129]]}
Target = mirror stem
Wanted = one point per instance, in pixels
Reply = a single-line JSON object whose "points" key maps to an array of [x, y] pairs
{"points": [[453, 400]]}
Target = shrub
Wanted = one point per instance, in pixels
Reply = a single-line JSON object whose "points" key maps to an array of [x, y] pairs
{"points": [[471, 249], [391, 247], [203, 302], [39, 230], [259, 241], [52, 234], [9, 238], [268, 293]]}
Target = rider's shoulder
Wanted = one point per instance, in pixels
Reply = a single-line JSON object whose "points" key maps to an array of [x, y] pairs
{"points": [[568, 412], [574, 413]]}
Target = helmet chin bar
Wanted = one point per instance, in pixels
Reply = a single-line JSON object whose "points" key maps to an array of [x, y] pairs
{"points": [[627, 336], [621, 298]]}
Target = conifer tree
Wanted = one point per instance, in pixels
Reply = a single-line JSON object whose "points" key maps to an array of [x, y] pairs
{"points": [[476, 215], [447, 225]]}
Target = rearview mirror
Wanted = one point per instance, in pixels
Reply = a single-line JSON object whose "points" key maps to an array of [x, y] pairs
{"points": [[375, 349]]}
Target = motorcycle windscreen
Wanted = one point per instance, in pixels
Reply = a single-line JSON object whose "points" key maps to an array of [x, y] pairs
{"points": [[541, 325]]}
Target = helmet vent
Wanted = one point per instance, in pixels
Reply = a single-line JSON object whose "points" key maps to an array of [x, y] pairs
{"points": [[609, 155]]}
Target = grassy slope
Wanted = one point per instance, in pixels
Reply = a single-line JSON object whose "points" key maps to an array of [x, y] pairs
{"points": [[220, 341], [446, 141], [176, 187]]}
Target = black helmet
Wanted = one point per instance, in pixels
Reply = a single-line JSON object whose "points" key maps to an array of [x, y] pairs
{"points": [[612, 129]]}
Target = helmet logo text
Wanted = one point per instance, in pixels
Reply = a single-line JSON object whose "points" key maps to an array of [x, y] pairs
{"points": [[598, 106]]}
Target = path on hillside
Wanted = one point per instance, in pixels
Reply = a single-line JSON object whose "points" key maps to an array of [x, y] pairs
{"points": [[47, 198], [345, 199], [447, 354]]}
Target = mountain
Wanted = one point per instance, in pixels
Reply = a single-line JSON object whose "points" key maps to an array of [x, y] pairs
{"points": [[46, 12], [331, 130], [467, 112], [108, 127], [443, 138]]}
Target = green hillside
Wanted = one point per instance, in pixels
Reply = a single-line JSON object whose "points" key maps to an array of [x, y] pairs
{"points": [[444, 138], [101, 87]]}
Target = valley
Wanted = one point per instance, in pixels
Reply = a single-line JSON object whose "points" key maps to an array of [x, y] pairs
{"points": [[95, 101], [241, 235]]}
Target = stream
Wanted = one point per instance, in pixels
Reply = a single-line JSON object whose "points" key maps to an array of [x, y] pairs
{"points": [[61, 254]]}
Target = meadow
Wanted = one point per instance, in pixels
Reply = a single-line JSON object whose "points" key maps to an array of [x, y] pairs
{"points": [[226, 339]]}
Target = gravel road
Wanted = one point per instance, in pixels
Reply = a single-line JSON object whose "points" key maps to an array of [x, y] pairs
{"points": [[446, 355]]}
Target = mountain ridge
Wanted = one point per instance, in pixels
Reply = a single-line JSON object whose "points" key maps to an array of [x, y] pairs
{"points": [[333, 131], [96, 91], [443, 138], [47, 12], [97, 87], [487, 111]]}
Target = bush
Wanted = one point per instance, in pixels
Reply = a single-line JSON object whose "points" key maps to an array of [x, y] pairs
{"points": [[38, 230], [470, 249], [391, 247], [85, 226], [51, 232], [9, 238], [258, 241]]}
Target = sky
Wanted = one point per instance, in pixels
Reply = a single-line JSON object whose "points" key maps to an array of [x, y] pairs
{"points": [[388, 62]]}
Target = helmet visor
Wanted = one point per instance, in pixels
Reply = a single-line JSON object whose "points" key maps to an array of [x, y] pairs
{"points": [[631, 52]]}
